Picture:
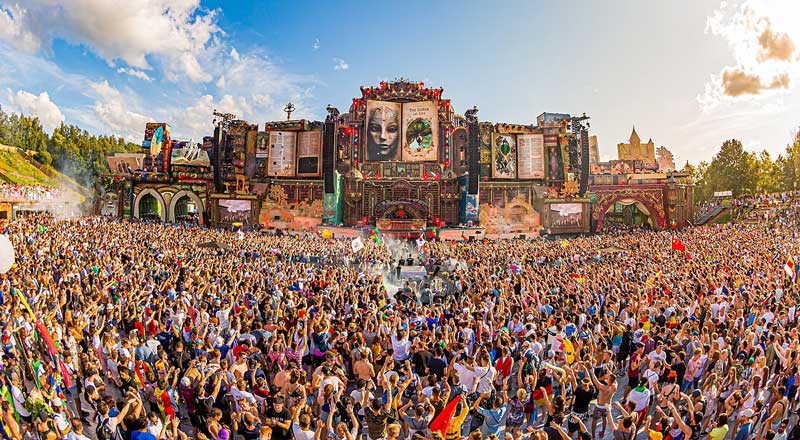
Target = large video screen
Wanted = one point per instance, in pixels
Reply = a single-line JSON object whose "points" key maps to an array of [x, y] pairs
{"points": [[566, 215], [233, 211], [402, 132], [504, 156], [530, 156]]}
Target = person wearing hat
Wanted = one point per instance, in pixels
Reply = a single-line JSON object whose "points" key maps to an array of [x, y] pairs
{"points": [[746, 423], [60, 416], [279, 419]]}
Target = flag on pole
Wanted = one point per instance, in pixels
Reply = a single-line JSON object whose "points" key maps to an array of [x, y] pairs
{"points": [[790, 268], [441, 423], [677, 245]]}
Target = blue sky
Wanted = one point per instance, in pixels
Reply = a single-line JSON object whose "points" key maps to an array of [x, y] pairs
{"points": [[688, 74]]}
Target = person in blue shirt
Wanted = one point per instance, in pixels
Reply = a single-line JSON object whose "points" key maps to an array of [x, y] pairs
{"points": [[494, 417]]}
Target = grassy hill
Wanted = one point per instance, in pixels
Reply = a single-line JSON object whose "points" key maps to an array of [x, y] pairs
{"points": [[17, 166]]}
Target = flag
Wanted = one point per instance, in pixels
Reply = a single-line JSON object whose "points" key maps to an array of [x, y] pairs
{"points": [[790, 268], [41, 228], [677, 245], [356, 244], [578, 277], [25, 303], [442, 422], [65, 373]]}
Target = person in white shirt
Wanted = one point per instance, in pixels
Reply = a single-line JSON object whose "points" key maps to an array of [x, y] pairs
{"points": [[400, 344], [19, 399], [658, 355]]}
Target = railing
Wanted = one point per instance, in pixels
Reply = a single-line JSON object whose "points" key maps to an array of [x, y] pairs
{"points": [[705, 217]]}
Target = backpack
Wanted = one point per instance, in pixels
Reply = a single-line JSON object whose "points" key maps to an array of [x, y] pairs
{"points": [[103, 430]]}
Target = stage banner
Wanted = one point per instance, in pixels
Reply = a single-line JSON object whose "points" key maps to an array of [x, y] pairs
{"points": [[530, 154], [309, 150], [555, 166], [504, 156], [262, 144], [486, 145], [250, 152], [382, 131], [420, 132], [281, 153]]}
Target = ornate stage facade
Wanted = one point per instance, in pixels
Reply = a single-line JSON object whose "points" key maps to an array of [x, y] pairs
{"points": [[400, 159]]}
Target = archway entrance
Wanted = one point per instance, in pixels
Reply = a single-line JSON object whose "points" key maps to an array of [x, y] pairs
{"points": [[186, 206], [185, 209], [150, 204], [149, 207], [628, 214]]}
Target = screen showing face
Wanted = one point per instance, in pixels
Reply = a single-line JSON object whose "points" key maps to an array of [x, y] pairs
{"points": [[383, 131]]}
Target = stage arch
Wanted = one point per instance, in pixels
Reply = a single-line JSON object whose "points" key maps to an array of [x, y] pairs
{"points": [[162, 212], [651, 200], [181, 194]]}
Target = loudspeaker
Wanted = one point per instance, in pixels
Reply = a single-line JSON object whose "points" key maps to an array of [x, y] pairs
{"points": [[473, 151], [584, 161], [328, 155], [216, 160]]}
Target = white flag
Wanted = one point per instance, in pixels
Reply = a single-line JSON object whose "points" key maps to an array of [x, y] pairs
{"points": [[357, 244], [420, 243]]}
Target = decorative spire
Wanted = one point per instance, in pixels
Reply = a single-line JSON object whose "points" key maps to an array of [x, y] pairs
{"points": [[634, 137]]}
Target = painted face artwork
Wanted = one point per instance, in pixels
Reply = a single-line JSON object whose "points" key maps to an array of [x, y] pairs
{"points": [[383, 134]]}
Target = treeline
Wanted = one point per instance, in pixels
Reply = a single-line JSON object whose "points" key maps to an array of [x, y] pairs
{"points": [[70, 149], [743, 172]]}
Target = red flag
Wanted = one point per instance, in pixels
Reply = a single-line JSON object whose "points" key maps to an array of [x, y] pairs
{"points": [[48, 340], [442, 422], [677, 245], [65, 373]]}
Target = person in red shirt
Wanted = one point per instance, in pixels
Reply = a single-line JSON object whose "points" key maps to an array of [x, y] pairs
{"points": [[503, 365]]}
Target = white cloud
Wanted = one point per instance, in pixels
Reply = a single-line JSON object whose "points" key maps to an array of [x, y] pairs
{"points": [[13, 28], [315, 46], [195, 120], [41, 106], [762, 38], [175, 33], [114, 111], [134, 73], [340, 64]]}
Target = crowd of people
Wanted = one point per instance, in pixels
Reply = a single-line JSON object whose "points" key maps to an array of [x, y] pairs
{"points": [[139, 331], [22, 192]]}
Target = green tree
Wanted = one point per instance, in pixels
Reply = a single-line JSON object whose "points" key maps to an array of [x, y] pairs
{"points": [[768, 177], [732, 169], [790, 164]]}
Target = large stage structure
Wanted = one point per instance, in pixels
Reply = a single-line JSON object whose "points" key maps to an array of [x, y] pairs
{"points": [[400, 158]]}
